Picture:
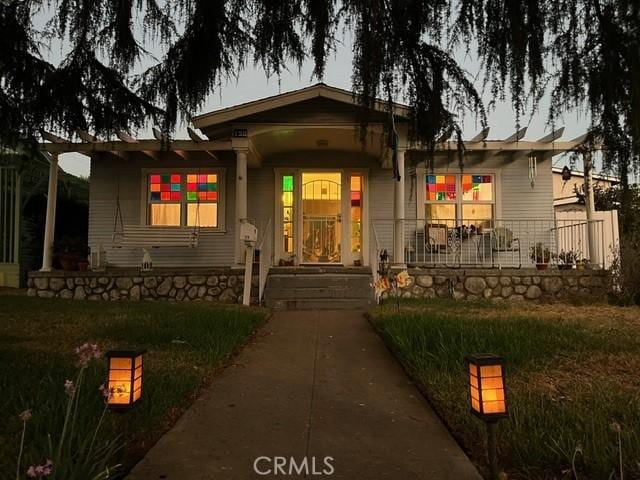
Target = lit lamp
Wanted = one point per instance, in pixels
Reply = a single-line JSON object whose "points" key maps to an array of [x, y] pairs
{"points": [[488, 397], [125, 378]]}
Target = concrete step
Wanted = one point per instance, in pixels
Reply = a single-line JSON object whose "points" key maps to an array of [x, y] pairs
{"points": [[323, 292], [319, 304], [319, 288], [318, 280]]}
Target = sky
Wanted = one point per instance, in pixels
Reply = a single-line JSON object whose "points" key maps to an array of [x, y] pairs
{"points": [[252, 84]]}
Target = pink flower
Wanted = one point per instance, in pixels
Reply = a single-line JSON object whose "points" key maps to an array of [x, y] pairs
{"points": [[39, 471], [105, 392], [86, 352], [69, 388], [26, 415]]}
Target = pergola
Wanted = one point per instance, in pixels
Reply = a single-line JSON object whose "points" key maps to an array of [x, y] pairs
{"points": [[477, 149]]}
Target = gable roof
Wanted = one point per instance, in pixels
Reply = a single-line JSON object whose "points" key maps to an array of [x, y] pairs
{"points": [[319, 90]]}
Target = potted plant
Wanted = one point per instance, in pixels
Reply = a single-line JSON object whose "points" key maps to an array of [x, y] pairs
{"points": [[582, 264], [540, 255], [567, 260], [71, 252]]}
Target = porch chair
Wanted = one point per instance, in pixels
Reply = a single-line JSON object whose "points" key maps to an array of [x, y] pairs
{"points": [[502, 240]]}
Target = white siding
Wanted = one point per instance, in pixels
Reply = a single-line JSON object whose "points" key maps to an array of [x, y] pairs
{"points": [[214, 249]]}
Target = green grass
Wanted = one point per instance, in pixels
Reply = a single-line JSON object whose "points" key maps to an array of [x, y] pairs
{"points": [[572, 372], [185, 344]]}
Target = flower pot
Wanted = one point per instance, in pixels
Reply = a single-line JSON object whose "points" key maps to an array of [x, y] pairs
{"points": [[68, 262], [83, 265], [542, 266]]}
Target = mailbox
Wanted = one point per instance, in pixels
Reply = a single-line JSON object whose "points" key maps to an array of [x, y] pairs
{"points": [[248, 234]]}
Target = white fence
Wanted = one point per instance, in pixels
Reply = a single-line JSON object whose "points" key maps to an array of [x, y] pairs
{"points": [[495, 243], [610, 238]]}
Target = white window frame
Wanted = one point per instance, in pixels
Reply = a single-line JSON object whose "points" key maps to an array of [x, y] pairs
{"points": [[183, 172], [421, 196]]}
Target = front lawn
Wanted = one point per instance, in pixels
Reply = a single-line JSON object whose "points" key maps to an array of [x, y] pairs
{"points": [[185, 345], [573, 374]]}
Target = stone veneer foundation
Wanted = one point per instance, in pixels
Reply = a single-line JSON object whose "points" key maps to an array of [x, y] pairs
{"points": [[222, 285], [507, 284]]}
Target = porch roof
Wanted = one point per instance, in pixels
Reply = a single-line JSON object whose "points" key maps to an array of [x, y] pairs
{"points": [[314, 118]]}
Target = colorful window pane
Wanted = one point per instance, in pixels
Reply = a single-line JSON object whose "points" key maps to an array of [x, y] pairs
{"points": [[165, 187], [202, 187], [355, 196], [287, 213], [477, 188], [441, 188], [287, 183]]}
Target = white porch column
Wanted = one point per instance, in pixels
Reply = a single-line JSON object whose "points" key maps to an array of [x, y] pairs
{"points": [[590, 207], [398, 212], [241, 201], [50, 222]]}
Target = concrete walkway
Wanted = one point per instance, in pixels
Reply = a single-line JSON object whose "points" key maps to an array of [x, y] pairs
{"points": [[313, 384]]}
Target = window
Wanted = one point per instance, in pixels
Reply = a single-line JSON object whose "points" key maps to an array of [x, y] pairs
{"points": [[287, 212], [355, 197], [183, 199], [466, 199]]}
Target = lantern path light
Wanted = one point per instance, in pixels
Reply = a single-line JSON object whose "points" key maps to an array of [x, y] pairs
{"points": [[488, 398], [124, 380]]}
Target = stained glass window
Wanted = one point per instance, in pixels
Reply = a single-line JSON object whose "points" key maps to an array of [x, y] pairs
{"points": [[440, 188], [287, 212], [165, 187], [196, 192], [355, 196], [202, 187], [466, 199], [477, 188]]}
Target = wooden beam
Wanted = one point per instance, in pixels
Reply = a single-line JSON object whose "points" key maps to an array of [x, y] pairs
{"points": [[517, 136], [54, 138], [482, 136], [136, 146], [195, 136], [550, 138], [86, 136], [159, 135], [198, 138], [125, 137]]}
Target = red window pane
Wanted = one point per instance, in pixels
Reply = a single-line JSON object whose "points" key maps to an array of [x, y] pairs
{"points": [[202, 178], [192, 187], [154, 178], [202, 195], [175, 195], [212, 196], [165, 196], [440, 187], [175, 178], [165, 187]]}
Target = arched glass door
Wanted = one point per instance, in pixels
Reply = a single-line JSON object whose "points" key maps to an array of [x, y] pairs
{"points": [[321, 217]]}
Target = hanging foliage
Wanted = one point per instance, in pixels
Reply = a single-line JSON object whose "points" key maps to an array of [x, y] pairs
{"points": [[585, 53]]}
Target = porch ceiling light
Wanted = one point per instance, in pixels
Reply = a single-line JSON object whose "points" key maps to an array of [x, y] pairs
{"points": [[487, 386], [124, 378]]}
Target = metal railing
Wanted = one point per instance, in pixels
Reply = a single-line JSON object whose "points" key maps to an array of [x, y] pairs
{"points": [[496, 243]]}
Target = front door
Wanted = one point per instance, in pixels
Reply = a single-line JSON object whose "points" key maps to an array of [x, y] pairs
{"points": [[322, 217]]}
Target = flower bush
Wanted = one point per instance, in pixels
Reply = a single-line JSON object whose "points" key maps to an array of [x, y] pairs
{"points": [[78, 453]]}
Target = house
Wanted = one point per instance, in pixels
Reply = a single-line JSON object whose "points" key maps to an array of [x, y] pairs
{"points": [[323, 198], [564, 191]]}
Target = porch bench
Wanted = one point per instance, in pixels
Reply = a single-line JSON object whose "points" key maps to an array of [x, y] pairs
{"points": [[155, 237]]}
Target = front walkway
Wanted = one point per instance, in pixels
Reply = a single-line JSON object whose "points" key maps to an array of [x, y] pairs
{"points": [[313, 384]]}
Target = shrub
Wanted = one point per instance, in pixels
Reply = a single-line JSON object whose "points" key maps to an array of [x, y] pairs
{"points": [[625, 270]]}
